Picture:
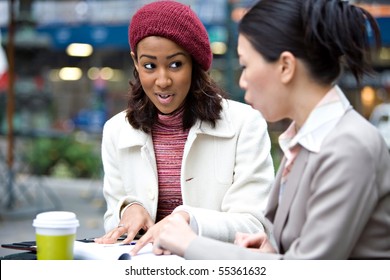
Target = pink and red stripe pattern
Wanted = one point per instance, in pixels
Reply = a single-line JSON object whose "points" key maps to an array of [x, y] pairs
{"points": [[168, 140]]}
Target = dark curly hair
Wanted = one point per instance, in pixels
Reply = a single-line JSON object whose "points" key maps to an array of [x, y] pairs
{"points": [[203, 102]]}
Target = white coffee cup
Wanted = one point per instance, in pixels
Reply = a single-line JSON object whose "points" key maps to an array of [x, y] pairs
{"points": [[55, 233]]}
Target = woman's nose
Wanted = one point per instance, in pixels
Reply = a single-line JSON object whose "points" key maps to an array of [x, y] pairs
{"points": [[163, 80], [242, 83]]}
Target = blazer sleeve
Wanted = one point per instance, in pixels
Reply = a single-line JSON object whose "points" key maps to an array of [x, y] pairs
{"points": [[203, 248]]}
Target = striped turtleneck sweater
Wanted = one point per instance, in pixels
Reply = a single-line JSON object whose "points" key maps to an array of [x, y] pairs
{"points": [[168, 140]]}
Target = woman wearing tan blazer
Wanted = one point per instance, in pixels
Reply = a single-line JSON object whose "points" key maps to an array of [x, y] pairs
{"points": [[331, 196]]}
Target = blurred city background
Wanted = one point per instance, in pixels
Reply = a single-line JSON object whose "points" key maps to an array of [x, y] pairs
{"points": [[65, 69]]}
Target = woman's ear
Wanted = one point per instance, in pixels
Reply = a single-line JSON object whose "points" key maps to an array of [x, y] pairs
{"points": [[135, 61], [288, 65]]}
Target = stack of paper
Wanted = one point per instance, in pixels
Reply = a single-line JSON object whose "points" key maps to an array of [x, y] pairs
{"points": [[117, 251]]}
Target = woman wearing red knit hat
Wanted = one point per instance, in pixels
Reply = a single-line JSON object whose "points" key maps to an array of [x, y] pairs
{"points": [[181, 147]]}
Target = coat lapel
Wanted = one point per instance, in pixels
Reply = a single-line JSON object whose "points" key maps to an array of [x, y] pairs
{"points": [[272, 205], [290, 190]]}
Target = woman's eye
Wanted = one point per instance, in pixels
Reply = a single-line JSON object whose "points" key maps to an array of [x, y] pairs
{"points": [[176, 64], [149, 65]]}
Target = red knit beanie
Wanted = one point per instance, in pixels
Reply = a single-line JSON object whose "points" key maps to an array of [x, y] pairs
{"points": [[174, 21]]}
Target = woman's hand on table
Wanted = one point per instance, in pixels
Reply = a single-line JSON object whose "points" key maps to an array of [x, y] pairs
{"points": [[175, 237], [256, 241], [165, 227], [133, 219]]}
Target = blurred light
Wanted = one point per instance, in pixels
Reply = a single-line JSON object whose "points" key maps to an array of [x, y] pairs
{"points": [[80, 50], [106, 73], [93, 73], [70, 74], [218, 48], [368, 96]]}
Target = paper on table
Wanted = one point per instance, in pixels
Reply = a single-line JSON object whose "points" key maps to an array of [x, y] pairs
{"points": [[95, 251]]}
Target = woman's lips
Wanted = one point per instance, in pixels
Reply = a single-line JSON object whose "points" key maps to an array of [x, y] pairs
{"points": [[164, 98]]}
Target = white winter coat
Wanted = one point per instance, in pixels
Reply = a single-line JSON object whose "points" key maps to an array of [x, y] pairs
{"points": [[226, 171]]}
